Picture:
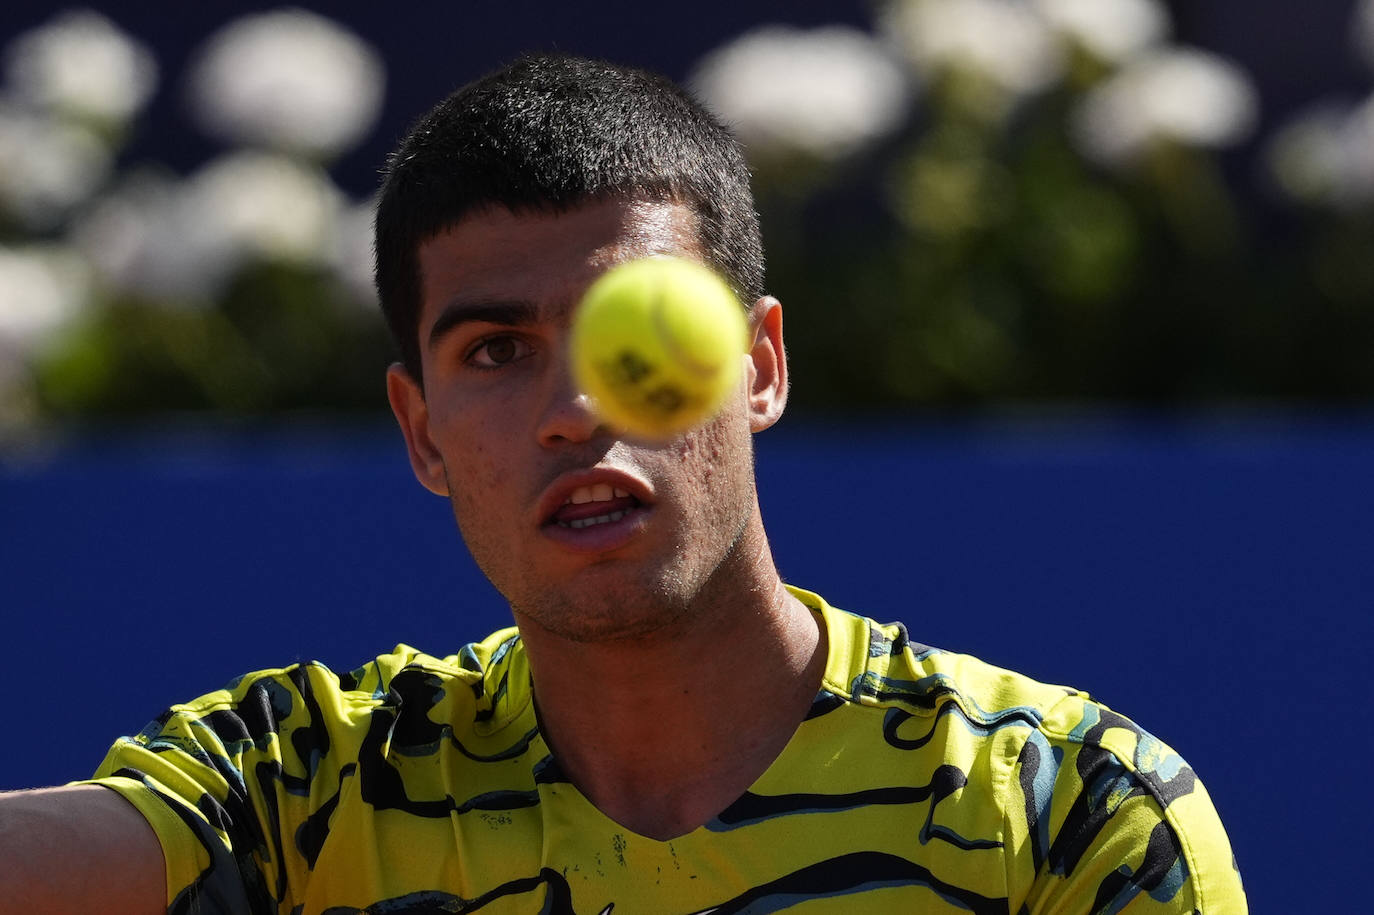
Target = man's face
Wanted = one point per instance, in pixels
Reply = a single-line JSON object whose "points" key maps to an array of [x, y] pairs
{"points": [[589, 535]]}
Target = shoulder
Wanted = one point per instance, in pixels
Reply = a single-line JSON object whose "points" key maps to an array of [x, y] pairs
{"points": [[310, 698], [1092, 805], [254, 773], [485, 667], [878, 664]]}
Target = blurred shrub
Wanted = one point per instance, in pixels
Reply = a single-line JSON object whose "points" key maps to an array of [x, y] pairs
{"points": [[242, 288], [970, 202], [1048, 216]]}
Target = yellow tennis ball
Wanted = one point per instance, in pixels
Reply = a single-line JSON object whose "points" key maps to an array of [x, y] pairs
{"points": [[657, 344]]}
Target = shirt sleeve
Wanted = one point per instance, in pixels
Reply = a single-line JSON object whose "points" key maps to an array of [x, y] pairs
{"points": [[236, 785], [1105, 818]]}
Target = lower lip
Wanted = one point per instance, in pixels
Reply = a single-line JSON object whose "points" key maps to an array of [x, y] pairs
{"points": [[600, 538]]}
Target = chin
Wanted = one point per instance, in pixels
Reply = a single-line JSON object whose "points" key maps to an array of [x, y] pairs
{"points": [[612, 615]]}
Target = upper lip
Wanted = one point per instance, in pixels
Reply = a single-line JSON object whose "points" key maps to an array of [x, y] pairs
{"points": [[563, 486]]}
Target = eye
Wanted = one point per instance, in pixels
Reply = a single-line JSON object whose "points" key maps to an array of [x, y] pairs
{"points": [[497, 350]]}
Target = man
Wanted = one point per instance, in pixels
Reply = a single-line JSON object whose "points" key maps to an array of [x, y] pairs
{"points": [[669, 728]]}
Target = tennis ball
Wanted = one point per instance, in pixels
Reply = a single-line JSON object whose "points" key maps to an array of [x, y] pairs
{"points": [[657, 343]]}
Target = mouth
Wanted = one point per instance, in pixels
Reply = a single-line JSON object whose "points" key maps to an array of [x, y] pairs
{"points": [[593, 506]]}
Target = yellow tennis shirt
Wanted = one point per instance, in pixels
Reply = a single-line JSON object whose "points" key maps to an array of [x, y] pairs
{"points": [[921, 781]]}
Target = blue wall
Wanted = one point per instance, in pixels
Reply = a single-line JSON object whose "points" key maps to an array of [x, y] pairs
{"points": [[1212, 579]]}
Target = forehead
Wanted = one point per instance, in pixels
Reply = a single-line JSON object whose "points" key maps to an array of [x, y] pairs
{"points": [[546, 259]]}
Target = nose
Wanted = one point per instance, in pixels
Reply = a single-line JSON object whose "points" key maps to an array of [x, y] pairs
{"points": [[568, 415]]}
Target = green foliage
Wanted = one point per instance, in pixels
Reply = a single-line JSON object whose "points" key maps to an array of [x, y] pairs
{"points": [[1002, 266], [978, 254], [279, 338]]}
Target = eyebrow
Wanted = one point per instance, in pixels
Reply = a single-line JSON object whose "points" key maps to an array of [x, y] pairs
{"points": [[456, 314]]}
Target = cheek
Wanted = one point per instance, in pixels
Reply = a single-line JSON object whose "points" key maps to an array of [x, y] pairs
{"points": [[480, 486], [718, 464], [476, 464]]}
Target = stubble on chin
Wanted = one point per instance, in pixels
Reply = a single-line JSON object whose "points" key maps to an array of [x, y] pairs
{"points": [[710, 557], [644, 598], [621, 614], [613, 600]]}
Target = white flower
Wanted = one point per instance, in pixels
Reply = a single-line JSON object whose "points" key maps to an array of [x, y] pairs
{"points": [[42, 288], [824, 92], [180, 241], [353, 256], [1002, 39], [47, 166], [288, 79], [81, 63], [1362, 30], [1325, 155], [1354, 152], [1112, 30], [1179, 95], [133, 238], [264, 205]]}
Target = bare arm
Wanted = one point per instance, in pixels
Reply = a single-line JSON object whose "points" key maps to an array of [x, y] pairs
{"points": [[79, 849]]}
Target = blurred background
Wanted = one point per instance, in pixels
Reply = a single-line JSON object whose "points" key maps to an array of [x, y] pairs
{"points": [[1080, 304]]}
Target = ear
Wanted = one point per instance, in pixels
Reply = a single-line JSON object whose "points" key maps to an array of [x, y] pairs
{"points": [[412, 413], [767, 369]]}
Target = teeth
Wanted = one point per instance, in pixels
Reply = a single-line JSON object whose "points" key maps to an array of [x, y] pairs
{"points": [[597, 492], [601, 492], [588, 522]]}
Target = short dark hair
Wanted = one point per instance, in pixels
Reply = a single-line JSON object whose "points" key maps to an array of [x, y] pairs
{"points": [[549, 132]]}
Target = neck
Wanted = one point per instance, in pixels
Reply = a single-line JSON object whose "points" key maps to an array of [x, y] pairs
{"points": [[662, 732]]}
